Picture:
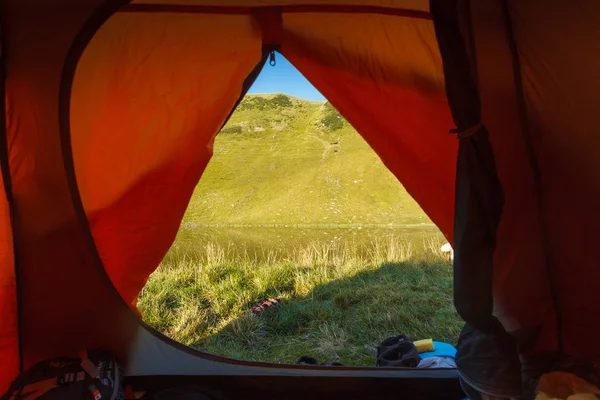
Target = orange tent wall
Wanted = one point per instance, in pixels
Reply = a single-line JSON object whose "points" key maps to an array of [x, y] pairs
{"points": [[519, 267], [61, 282], [561, 98], [149, 95], [392, 92], [140, 143], [152, 89], [64, 302], [9, 335], [540, 106]]}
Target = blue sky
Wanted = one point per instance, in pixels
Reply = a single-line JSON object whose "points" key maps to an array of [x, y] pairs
{"points": [[284, 78]]}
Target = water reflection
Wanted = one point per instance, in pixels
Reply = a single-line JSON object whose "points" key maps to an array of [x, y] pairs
{"points": [[275, 243]]}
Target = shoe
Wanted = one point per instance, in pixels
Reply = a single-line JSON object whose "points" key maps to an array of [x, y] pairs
{"points": [[404, 354], [306, 360], [390, 342]]}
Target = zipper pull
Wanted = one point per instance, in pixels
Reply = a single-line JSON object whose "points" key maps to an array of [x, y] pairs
{"points": [[272, 59]]}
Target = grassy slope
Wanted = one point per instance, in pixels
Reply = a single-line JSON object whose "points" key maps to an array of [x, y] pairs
{"points": [[285, 167], [337, 305], [281, 166]]}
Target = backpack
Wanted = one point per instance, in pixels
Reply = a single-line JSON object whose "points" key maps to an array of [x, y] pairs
{"points": [[95, 376]]}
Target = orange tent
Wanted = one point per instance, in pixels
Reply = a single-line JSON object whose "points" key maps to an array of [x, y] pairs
{"points": [[111, 107]]}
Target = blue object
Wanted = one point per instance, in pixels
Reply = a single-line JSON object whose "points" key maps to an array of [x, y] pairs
{"points": [[441, 349]]}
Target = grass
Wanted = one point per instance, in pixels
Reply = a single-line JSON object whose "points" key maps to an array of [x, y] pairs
{"points": [[338, 302], [295, 205]]}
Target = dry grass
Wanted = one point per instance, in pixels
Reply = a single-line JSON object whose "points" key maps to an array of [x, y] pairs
{"points": [[339, 299]]}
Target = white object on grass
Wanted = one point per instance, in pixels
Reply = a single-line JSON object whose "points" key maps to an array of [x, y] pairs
{"points": [[447, 248]]}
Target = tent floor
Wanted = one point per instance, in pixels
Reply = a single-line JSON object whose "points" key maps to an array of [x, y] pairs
{"points": [[307, 387]]}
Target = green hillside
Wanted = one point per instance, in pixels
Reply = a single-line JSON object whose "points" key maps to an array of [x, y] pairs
{"points": [[283, 160], [291, 162]]}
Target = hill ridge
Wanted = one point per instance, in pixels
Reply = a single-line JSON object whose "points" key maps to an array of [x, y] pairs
{"points": [[285, 94]]}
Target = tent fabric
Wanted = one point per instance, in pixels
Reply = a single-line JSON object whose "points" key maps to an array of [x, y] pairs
{"points": [[487, 355], [479, 196], [110, 116], [519, 260], [561, 102], [139, 155], [64, 300], [9, 332], [9, 319], [117, 148], [415, 149], [525, 70], [421, 5]]}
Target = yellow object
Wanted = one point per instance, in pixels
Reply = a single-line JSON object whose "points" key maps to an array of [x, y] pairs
{"points": [[563, 385], [424, 345]]}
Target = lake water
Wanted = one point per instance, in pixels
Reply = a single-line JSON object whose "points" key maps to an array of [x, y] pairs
{"points": [[274, 243]]}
